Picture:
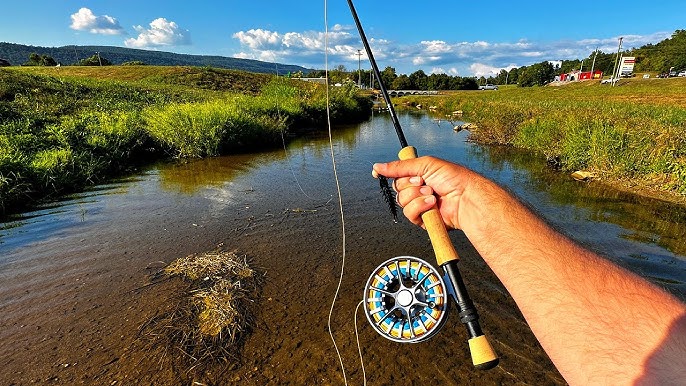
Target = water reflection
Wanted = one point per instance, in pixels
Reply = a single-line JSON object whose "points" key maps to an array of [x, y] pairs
{"points": [[646, 235], [52, 219], [644, 219], [192, 176]]}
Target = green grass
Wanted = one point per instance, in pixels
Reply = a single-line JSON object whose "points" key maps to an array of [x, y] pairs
{"points": [[64, 128], [634, 132]]}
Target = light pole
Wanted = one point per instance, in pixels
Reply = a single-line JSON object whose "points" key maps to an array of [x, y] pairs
{"points": [[359, 68]]}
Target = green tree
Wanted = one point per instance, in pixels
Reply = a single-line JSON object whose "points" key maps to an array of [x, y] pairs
{"points": [[95, 60], [402, 82], [460, 83], [40, 60], [338, 75], [419, 80], [571, 65], [388, 76], [438, 82], [662, 56], [538, 74], [514, 76], [316, 74], [502, 77]]}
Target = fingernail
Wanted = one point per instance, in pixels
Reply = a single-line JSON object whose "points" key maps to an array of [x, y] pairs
{"points": [[415, 180], [430, 200], [425, 190]]}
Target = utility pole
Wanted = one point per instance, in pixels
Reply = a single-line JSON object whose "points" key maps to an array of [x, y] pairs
{"points": [[593, 65], [615, 71], [99, 60], [359, 68]]}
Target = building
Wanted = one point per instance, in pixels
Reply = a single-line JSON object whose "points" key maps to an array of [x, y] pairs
{"points": [[579, 75]]}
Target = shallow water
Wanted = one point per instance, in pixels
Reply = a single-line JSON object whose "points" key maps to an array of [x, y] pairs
{"points": [[280, 208]]}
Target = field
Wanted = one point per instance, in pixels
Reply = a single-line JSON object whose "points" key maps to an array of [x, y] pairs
{"points": [[64, 128], [634, 133]]}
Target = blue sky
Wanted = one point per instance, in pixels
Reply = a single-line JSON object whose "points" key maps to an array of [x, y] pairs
{"points": [[456, 37]]}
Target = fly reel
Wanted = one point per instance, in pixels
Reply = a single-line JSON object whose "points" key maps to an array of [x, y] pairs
{"points": [[406, 300]]}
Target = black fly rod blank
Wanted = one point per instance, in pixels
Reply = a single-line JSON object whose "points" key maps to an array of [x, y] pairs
{"points": [[483, 355]]}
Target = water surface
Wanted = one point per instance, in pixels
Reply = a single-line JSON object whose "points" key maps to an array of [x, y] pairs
{"points": [[280, 208]]}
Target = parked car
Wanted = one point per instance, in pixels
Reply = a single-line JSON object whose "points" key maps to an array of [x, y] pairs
{"points": [[609, 80], [488, 87], [682, 73]]}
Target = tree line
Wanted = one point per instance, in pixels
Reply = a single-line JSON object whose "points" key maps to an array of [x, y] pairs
{"points": [[417, 80], [669, 54]]}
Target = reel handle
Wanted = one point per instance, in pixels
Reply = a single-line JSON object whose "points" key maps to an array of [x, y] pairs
{"points": [[483, 355]]}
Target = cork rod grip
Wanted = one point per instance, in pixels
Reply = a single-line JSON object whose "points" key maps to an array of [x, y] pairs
{"points": [[443, 247]]}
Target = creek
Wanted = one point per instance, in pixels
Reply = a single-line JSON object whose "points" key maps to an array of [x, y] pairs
{"points": [[280, 208]]}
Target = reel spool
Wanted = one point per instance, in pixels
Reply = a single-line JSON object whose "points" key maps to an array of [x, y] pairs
{"points": [[406, 300]]}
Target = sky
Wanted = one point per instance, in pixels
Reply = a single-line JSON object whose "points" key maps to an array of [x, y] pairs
{"points": [[463, 38]]}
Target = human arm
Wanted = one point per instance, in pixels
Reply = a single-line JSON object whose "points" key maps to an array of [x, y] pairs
{"points": [[599, 323]]}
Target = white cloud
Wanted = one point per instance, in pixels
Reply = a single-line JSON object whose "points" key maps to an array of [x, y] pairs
{"points": [[306, 48], [436, 46], [480, 69], [460, 57], [161, 33], [85, 20], [257, 38]]}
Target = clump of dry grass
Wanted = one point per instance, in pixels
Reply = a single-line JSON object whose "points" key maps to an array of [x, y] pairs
{"points": [[213, 316]]}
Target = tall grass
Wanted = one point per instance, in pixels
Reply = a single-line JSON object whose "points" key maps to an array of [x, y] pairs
{"points": [[245, 122], [636, 132], [211, 128], [76, 127]]}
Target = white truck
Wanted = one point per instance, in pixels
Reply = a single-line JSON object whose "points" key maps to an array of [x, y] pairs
{"points": [[488, 86]]}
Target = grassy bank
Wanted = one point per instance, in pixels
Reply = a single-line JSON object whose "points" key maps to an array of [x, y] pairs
{"points": [[64, 128], [635, 132]]}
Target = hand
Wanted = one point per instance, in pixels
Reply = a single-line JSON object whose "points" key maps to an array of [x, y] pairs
{"points": [[424, 182]]}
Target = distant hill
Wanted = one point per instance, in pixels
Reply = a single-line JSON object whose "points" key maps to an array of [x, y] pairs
{"points": [[18, 54]]}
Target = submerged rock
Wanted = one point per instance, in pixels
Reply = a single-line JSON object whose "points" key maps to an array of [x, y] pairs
{"points": [[581, 175]]}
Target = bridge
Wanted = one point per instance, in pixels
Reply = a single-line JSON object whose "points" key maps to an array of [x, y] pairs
{"points": [[399, 93]]}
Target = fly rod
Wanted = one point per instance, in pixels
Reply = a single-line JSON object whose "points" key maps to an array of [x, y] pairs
{"points": [[483, 355]]}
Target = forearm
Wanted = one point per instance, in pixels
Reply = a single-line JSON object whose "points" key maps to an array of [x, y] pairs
{"points": [[599, 323]]}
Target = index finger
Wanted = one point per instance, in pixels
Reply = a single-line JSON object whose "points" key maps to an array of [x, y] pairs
{"points": [[395, 169]]}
